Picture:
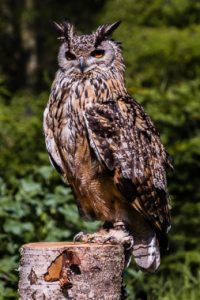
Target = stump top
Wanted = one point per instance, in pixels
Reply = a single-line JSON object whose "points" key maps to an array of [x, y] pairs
{"points": [[64, 244]]}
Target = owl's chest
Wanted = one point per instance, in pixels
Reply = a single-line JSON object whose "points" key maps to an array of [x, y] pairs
{"points": [[67, 119], [69, 111]]}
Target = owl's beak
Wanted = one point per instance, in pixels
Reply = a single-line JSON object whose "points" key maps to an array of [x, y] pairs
{"points": [[82, 65]]}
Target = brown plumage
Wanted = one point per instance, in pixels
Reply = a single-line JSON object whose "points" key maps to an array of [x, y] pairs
{"points": [[103, 143]]}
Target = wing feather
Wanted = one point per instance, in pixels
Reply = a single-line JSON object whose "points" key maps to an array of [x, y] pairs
{"points": [[126, 142], [51, 145]]}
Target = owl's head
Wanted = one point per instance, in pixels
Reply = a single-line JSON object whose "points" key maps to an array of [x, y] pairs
{"points": [[89, 54]]}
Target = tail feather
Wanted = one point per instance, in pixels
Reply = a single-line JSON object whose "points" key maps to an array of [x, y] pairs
{"points": [[146, 252]]}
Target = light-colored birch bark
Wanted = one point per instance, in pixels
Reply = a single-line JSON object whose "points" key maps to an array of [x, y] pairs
{"points": [[72, 271]]}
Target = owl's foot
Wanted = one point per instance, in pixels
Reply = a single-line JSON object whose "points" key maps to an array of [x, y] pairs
{"points": [[89, 237], [117, 234]]}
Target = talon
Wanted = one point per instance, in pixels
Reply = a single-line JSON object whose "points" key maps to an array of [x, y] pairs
{"points": [[79, 236], [111, 239], [98, 239], [129, 243], [93, 239]]}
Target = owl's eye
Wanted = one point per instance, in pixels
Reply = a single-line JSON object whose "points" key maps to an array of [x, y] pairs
{"points": [[98, 53], [70, 56]]}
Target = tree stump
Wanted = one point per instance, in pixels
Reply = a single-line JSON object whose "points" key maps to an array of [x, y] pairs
{"points": [[75, 271]]}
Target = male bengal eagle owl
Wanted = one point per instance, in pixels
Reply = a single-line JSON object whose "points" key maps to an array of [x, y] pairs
{"points": [[105, 146]]}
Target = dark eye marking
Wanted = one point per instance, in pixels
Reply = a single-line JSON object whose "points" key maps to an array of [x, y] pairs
{"points": [[70, 56], [98, 53]]}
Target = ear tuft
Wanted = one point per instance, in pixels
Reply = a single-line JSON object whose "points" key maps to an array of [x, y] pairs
{"points": [[105, 31], [65, 30], [111, 28]]}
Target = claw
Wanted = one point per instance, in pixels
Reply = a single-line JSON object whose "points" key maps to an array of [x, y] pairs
{"points": [[79, 237], [111, 240], [128, 242]]}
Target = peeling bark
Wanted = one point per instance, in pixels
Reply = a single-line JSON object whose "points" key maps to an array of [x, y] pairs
{"points": [[74, 271]]}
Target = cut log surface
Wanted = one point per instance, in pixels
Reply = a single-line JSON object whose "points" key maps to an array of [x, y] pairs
{"points": [[75, 271]]}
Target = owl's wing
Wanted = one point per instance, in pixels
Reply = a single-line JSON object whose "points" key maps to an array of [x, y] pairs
{"points": [[51, 145], [127, 143]]}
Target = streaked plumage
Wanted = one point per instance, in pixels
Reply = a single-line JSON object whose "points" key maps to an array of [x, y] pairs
{"points": [[103, 143]]}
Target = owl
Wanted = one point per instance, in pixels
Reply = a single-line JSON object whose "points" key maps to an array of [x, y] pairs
{"points": [[106, 147]]}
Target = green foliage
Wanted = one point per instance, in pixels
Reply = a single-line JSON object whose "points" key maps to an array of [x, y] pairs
{"points": [[162, 54], [180, 283], [155, 13], [21, 133]]}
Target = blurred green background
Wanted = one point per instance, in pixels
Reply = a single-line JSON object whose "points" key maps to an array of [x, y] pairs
{"points": [[161, 41]]}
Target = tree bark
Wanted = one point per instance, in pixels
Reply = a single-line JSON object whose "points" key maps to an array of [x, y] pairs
{"points": [[66, 270]]}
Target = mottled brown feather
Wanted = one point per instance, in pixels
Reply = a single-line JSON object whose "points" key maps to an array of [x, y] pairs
{"points": [[125, 139]]}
